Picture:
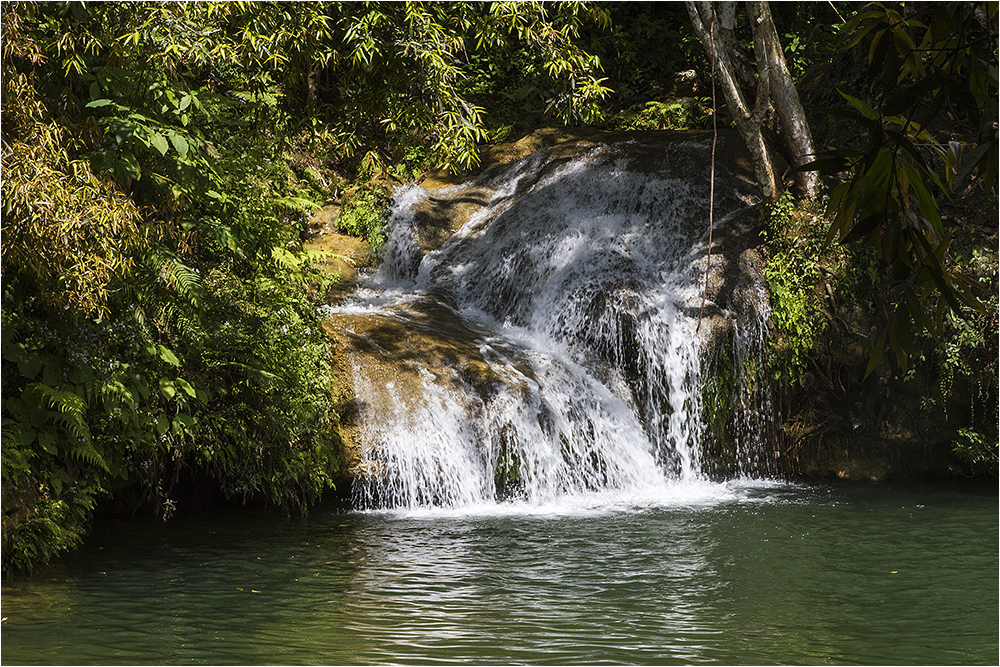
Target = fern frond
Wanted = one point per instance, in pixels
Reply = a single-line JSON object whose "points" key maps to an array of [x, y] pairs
{"points": [[90, 390], [114, 395], [86, 453], [67, 410], [297, 204], [285, 259], [138, 314], [184, 279], [315, 256]]}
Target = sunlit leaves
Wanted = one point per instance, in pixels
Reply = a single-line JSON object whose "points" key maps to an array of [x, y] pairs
{"points": [[74, 233], [159, 142], [407, 62], [128, 177], [551, 31]]}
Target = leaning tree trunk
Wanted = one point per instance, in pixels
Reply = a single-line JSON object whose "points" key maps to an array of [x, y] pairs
{"points": [[794, 128], [707, 26]]}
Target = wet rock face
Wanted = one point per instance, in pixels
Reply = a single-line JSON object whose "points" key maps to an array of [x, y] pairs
{"points": [[476, 209], [423, 335], [453, 200]]}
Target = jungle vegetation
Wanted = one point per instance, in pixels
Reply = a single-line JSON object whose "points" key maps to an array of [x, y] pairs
{"points": [[160, 161]]}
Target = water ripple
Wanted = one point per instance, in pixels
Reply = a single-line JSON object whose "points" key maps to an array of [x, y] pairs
{"points": [[808, 575]]}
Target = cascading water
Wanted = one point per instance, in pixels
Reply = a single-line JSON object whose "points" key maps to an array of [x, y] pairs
{"points": [[547, 349]]}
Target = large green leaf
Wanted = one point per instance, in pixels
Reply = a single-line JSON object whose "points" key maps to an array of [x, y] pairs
{"points": [[179, 142], [865, 110], [129, 165], [186, 386], [168, 388], [159, 142], [167, 355], [29, 366]]}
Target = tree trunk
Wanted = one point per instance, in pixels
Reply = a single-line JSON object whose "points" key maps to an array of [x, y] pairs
{"points": [[714, 24], [794, 128], [707, 26]]}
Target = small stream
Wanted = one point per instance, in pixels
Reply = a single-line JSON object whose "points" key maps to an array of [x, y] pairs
{"points": [[735, 573]]}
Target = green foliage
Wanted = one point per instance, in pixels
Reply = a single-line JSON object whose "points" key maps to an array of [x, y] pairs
{"points": [[810, 31], [52, 526], [648, 42], [719, 389], [364, 215], [242, 393], [155, 318], [967, 365], [409, 72], [793, 275], [53, 202], [313, 178], [977, 453], [826, 302], [682, 114], [272, 420], [923, 61]]}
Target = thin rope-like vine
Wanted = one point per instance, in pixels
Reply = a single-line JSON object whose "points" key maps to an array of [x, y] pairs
{"points": [[711, 187]]}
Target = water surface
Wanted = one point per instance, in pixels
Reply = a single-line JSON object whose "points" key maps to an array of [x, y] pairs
{"points": [[741, 573]]}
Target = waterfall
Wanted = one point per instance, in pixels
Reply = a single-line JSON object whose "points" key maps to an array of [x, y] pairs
{"points": [[548, 347]]}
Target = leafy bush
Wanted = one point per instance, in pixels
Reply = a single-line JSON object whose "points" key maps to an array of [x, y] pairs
{"points": [[364, 215], [681, 114], [792, 274], [967, 363], [91, 408], [155, 313]]}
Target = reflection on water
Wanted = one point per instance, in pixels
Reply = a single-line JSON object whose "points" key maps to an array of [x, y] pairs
{"points": [[761, 575]]}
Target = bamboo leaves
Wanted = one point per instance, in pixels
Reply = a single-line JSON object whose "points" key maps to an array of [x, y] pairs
{"points": [[411, 62], [65, 226]]}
